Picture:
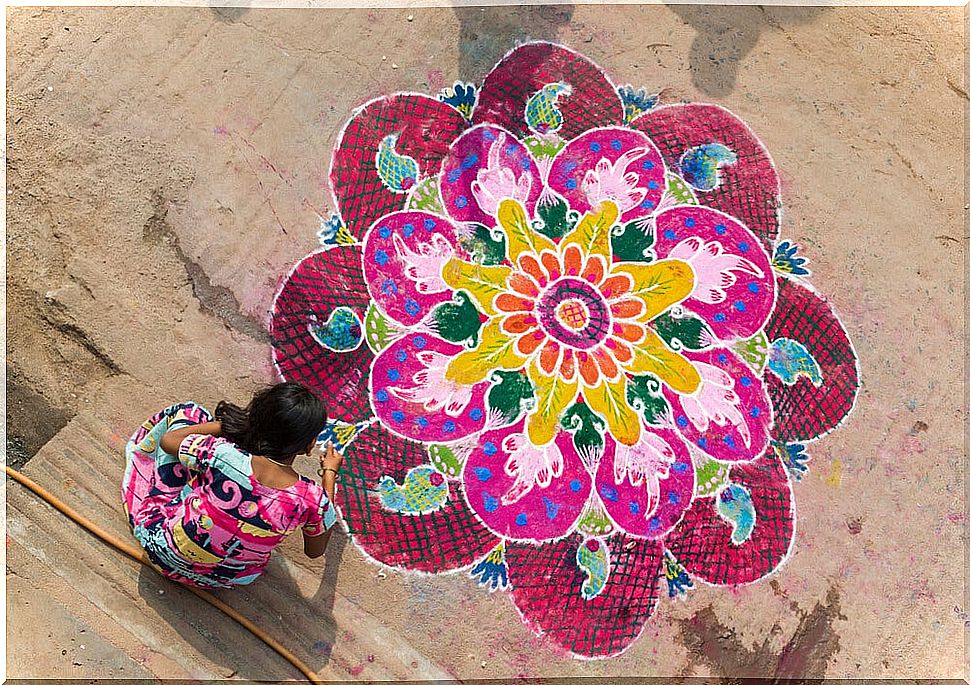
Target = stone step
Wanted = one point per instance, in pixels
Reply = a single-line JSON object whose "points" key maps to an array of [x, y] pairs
{"points": [[159, 625]]}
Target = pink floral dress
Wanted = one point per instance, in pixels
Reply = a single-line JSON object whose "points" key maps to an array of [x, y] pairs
{"points": [[201, 515]]}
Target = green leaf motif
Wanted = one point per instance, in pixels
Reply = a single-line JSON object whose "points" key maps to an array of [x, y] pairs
{"points": [[483, 246], [457, 321], [555, 218], [445, 460], [587, 429], [685, 331], [544, 147], [379, 331], [643, 393], [754, 351], [711, 476], [594, 520], [426, 197], [632, 242], [510, 393], [680, 191]]}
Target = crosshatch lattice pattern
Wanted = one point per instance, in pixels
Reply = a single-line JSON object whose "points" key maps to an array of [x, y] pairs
{"points": [[562, 347]]}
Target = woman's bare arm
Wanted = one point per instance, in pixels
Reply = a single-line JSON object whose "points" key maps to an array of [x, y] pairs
{"points": [[170, 441]]}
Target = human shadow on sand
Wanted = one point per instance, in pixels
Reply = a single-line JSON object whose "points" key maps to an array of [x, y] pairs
{"points": [[275, 603], [725, 36], [485, 34]]}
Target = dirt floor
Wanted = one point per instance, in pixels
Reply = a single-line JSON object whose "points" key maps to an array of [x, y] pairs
{"points": [[167, 167]]}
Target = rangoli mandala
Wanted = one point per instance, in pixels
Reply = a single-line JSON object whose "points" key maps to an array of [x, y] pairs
{"points": [[563, 346]]}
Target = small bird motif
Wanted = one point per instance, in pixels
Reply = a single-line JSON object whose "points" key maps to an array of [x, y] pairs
{"points": [[342, 331], [593, 557], [541, 113], [397, 172], [424, 491], [788, 359], [700, 166], [735, 506]]}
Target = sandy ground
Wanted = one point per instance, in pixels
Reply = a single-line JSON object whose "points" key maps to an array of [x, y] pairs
{"points": [[166, 167]]}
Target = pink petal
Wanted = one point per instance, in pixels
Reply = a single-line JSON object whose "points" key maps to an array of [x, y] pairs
{"points": [[702, 541], [750, 294], [583, 154], [419, 403], [744, 436], [629, 505], [803, 411], [546, 589], [386, 263], [543, 513], [319, 284], [749, 188], [444, 540], [524, 71], [474, 152], [426, 127]]}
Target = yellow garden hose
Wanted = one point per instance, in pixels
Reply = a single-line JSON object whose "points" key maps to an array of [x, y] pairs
{"points": [[138, 554]]}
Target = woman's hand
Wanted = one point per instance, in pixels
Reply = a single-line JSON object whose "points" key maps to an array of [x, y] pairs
{"points": [[330, 462]]}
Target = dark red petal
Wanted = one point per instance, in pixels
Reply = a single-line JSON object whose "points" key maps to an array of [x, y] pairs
{"points": [[749, 188], [319, 284], [702, 541], [426, 127], [804, 411], [524, 71], [449, 538], [547, 590]]}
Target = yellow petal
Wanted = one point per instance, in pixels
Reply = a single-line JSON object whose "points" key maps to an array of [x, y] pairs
{"points": [[521, 238], [608, 399], [592, 233], [653, 356], [660, 285], [495, 351], [553, 395], [485, 283]]}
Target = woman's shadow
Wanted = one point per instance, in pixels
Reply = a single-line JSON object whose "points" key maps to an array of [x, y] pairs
{"points": [[485, 34], [274, 602]]}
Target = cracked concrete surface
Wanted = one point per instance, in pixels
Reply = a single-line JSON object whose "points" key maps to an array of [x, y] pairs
{"points": [[167, 167]]}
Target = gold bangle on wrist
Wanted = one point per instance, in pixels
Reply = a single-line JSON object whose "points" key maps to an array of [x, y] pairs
{"points": [[327, 468]]}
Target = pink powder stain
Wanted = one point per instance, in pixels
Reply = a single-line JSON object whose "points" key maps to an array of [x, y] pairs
{"points": [[956, 517], [356, 670], [436, 80]]}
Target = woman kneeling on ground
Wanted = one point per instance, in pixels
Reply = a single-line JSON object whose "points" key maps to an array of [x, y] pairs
{"points": [[209, 498]]}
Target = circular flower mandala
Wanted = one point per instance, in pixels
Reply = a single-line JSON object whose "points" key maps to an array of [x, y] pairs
{"points": [[562, 344]]}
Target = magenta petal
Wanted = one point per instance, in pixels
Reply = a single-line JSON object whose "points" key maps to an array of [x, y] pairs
{"points": [[702, 541], [425, 126], [547, 591], [542, 512], [527, 69], [318, 285], [804, 411], [729, 394], [444, 540], [413, 398], [633, 507], [403, 256], [486, 165], [748, 189], [591, 168], [734, 288]]}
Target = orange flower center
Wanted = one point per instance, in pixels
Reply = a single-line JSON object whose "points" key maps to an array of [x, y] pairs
{"points": [[573, 314]]}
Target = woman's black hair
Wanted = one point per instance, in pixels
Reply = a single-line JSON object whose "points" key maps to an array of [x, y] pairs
{"points": [[280, 421]]}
